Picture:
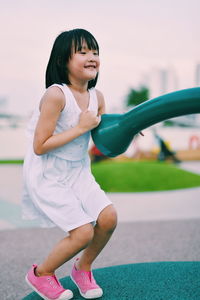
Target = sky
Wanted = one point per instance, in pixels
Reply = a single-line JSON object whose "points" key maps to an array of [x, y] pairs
{"points": [[135, 38]]}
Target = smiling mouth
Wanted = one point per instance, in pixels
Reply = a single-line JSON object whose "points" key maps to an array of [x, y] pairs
{"points": [[90, 67]]}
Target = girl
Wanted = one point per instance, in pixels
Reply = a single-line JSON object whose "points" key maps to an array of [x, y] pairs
{"points": [[59, 189]]}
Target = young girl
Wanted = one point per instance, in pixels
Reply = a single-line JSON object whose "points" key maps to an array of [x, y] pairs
{"points": [[59, 189]]}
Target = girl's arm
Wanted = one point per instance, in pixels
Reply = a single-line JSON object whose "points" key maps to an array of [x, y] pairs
{"points": [[51, 106], [101, 103]]}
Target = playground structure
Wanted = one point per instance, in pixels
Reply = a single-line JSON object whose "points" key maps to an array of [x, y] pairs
{"points": [[116, 131]]}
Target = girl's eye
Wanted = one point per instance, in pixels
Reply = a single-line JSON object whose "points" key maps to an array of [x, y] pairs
{"points": [[83, 52]]}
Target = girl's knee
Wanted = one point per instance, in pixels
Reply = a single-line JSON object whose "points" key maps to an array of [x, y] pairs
{"points": [[83, 234], [107, 219]]}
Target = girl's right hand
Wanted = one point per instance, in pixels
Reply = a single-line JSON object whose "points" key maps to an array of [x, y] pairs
{"points": [[88, 120]]}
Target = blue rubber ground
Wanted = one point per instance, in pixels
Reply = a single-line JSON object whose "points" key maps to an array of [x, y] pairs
{"points": [[144, 281]]}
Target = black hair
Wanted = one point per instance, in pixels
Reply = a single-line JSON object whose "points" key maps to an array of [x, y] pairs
{"points": [[64, 46]]}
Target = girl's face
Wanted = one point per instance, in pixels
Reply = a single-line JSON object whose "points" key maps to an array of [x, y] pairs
{"points": [[83, 65]]}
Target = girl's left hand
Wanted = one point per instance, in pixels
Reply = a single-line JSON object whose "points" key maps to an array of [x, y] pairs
{"points": [[88, 120]]}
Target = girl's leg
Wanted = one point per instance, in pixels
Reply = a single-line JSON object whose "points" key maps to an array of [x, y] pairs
{"points": [[103, 230], [77, 240]]}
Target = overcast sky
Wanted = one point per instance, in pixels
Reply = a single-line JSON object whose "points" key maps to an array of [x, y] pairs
{"points": [[134, 36]]}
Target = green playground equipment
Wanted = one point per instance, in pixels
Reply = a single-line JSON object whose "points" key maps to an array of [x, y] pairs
{"points": [[141, 281], [116, 131]]}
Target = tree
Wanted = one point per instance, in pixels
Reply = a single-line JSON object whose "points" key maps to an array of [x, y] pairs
{"points": [[136, 97]]}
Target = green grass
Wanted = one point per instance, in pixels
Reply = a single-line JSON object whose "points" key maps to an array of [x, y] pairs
{"points": [[138, 176], [11, 161], [142, 176]]}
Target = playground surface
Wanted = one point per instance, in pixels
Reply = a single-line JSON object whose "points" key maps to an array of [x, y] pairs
{"points": [[153, 227]]}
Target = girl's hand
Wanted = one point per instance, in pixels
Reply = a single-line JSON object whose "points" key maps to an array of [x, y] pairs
{"points": [[88, 120]]}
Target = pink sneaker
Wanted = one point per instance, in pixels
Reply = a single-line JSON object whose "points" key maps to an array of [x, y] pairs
{"points": [[86, 284], [48, 287]]}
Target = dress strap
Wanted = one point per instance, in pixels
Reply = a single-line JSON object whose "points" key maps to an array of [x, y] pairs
{"points": [[62, 87], [66, 92]]}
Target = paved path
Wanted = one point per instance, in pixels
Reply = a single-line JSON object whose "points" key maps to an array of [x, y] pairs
{"points": [[134, 242], [191, 166], [165, 205]]}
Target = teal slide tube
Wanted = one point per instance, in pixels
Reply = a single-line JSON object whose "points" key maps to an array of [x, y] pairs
{"points": [[116, 131]]}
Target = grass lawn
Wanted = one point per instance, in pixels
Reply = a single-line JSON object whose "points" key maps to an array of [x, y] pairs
{"points": [[138, 176], [10, 162], [142, 176]]}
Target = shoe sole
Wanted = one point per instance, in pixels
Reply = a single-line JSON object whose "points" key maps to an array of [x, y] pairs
{"points": [[41, 295], [83, 295]]}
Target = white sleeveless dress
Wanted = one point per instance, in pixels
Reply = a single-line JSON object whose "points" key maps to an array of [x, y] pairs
{"points": [[58, 187]]}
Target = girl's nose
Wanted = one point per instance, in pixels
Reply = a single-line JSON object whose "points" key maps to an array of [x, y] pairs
{"points": [[91, 57]]}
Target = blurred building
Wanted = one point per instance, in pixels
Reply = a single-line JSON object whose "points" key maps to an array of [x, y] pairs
{"points": [[12, 133], [3, 104], [197, 75], [165, 80], [8, 120], [161, 81]]}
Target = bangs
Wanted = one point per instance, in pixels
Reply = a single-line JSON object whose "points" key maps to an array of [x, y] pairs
{"points": [[82, 36]]}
